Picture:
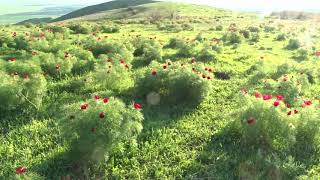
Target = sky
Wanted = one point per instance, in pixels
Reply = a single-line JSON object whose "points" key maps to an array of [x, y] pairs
{"points": [[248, 5]]}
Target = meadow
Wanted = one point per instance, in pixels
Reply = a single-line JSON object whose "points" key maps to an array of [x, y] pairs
{"points": [[205, 94]]}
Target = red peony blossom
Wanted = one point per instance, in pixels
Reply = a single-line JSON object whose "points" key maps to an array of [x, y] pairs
{"points": [[257, 95], [266, 97], [97, 97], [289, 113], [25, 76], [105, 100], [280, 98], [251, 120], [154, 72], [102, 115], [137, 106], [21, 170], [308, 102], [12, 59], [276, 103], [85, 106]]}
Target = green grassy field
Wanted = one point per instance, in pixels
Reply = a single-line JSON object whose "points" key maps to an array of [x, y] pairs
{"points": [[218, 128]]}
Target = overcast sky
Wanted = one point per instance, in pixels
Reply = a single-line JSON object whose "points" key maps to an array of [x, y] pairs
{"points": [[231, 4]]}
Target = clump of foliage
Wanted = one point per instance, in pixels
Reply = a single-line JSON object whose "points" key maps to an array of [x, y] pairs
{"points": [[281, 37], [207, 54], [147, 50], [293, 44], [254, 29], [94, 127], [112, 74], [255, 37], [110, 28], [79, 28], [175, 43], [176, 84], [231, 38], [22, 86], [219, 28]]}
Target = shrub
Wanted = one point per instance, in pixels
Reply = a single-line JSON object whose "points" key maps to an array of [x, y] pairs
{"points": [[147, 50], [255, 37], [245, 33], [269, 29], [186, 50], [175, 84], [175, 43], [113, 75], [110, 48], [293, 44], [80, 28], [200, 37], [207, 55], [187, 27], [110, 29], [231, 38], [281, 37], [301, 55], [56, 65], [217, 48], [254, 29], [219, 28], [21, 91], [94, 127]]}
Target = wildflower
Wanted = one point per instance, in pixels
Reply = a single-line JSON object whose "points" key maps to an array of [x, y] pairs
{"points": [[85, 106], [276, 103], [289, 113], [105, 100], [257, 95], [137, 106], [251, 120], [308, 102], [266, 97], [21, 170], [102, 115], [280, 98], [154, 72], [97, 97], [296, 111]]}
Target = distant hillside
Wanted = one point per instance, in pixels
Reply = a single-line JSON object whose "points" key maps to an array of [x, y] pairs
{"points": [[295, 15], [158, 10], [35, 21], [117, 4], [46, 12]]}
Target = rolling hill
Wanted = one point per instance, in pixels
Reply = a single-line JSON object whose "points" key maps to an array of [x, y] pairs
{"points": [[103, 7]]}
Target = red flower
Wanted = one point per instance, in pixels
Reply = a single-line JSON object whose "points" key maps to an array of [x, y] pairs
{"points": [[266, 97], [287, 105], [251, 120], [164, 66], [276, 103], [97, 97], [296, 111], [289, 113], [208, 77], [26, 76], [85, 106], [210, 70], [280, 98], [121, 61], [105, 100], [21, 170], [308, 102], [203, 76], [137, 106], [257, 95], [206, 69], [12, 59], [154, 72], [102, 115]]}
